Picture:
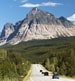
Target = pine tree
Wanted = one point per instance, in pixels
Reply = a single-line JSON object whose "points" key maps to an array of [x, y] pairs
{"points": [[63, 69], [47, 64], [54, 60]]}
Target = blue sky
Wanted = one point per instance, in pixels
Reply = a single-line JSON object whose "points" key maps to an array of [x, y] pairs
{"points": [[15, 10]]}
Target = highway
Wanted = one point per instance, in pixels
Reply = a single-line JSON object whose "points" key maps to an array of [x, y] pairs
{"points": [[36, 75]]}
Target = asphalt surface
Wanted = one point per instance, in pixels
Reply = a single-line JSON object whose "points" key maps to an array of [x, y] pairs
{"points": [[36, 75]]}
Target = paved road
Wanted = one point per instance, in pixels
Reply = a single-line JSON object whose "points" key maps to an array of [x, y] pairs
{"points": [[36, 75]]}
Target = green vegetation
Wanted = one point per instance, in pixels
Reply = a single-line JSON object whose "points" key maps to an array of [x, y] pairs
{"points": [[13, 67], [56, 55]]}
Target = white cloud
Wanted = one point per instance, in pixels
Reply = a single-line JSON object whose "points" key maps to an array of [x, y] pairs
{"points": [[23, 1], [71, 18], [30, 5], [42, 4], [50, 4]]}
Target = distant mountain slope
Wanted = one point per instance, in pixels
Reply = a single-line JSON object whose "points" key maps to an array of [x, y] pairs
{"points": [[65, 22], [37, 25]]}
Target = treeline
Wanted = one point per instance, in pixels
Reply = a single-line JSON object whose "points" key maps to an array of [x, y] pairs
{"points": [[56, 55], [13, 67], [62, 62]]}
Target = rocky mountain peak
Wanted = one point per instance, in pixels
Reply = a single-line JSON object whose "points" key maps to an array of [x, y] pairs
{"points": [[8, 25], [7, 30], [38, 24], [66, 22], [35, 9], [41, 17]]}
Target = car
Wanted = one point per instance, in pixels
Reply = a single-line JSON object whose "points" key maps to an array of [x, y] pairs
{"points": [[55, 75], [40, 70], [46, 74]]}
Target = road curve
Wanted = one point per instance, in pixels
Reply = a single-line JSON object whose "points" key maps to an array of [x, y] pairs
{"points": [[36, 75]]}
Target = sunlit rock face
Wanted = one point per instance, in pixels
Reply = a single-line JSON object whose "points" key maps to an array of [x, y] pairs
{"points": [[37, 25]]}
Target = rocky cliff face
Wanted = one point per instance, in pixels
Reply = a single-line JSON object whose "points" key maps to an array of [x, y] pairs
{"points": [[38, 24], [65, 22], [7, 30]]}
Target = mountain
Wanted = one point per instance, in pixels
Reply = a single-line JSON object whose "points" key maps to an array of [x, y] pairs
{"points": [[7, 30], [65, 22], [37, 25]]}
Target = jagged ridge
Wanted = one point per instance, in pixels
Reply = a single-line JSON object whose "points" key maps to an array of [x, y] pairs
{"points": [[38, 24]]}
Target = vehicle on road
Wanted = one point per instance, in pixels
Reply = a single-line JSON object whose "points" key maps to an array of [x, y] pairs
{"points": [[40, 70], [46, 74], [55, 75]]}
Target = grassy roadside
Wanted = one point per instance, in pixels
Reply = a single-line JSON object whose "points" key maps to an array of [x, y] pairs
{"points": [[68, 77], [28, 75]]}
